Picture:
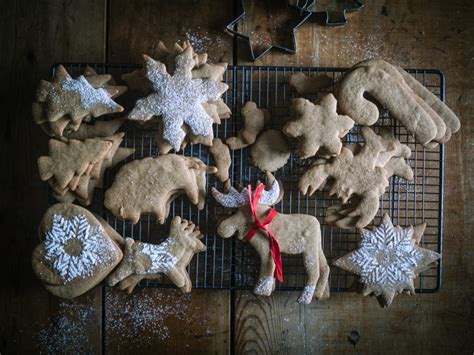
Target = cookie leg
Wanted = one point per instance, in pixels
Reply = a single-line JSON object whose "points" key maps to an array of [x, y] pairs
{"points": [[322, 286], [266, 282], [177, 277], [311, 264], [187, 282]]}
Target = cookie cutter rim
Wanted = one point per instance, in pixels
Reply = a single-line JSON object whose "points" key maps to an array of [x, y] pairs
{"points": [[231, 28]]}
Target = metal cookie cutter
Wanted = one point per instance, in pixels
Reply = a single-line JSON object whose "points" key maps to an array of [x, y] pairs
{"points": [[273, 27], [329, 12]]}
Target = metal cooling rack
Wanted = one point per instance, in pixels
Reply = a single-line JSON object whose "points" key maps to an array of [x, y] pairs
{"points": [[232, 264]]}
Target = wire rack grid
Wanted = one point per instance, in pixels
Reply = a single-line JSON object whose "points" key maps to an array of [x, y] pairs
{"points": [[232, 264]]}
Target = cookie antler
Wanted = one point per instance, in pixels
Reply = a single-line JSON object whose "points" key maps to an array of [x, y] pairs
{"points": [[235, 199]]}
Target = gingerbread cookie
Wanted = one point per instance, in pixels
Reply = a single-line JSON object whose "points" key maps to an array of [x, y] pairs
{"points": [[146, 186], [220, 153], [67, 101], [170, 257], [317, 126], [76, 251], [270, 151], [388, 260], [178, 99], [73, 158], [98, 129], [309, 85], [253, 122], [360, 178], [288, 234], [421, 112]]}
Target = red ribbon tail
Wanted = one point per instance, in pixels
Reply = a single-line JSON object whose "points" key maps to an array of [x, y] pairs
{"points": [[276, 256]]}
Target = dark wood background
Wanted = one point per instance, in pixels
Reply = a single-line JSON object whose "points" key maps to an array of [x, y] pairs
{"points": [[412, 33]]}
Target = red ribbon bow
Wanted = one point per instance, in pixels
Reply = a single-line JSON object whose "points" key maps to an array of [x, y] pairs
{"points": [[274, 248]]}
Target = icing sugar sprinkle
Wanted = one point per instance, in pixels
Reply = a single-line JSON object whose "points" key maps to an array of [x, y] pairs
{"points": [[161, 259], [234, 199], [88, 95], [307, 295], [177, 99], [387, 256], [95, 248], [264, 285]]}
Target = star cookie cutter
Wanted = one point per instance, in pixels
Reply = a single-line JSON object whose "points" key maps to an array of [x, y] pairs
{"points": [[258, 51], [330, 12]]}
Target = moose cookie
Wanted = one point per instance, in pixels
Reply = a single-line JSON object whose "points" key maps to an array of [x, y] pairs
{"points": [[360, 176], [317, 126], [148, 185], [76, 251], [309, 85], [388, 260], [272, 233], [170, 257], [178, 99]]}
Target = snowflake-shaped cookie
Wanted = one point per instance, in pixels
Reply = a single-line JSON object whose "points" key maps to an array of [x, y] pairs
{"points": [[388, 260], [178, 99], [75, 247]]}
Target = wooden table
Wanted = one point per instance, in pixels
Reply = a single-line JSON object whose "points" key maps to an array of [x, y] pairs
{"points": [[36, 34]]}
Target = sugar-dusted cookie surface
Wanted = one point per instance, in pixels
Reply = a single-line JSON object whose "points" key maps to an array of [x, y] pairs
{"points": [[146, 185], [317, 126], [178, 99], [388, 260], [170, 257], [76, 251], [67, 101]]}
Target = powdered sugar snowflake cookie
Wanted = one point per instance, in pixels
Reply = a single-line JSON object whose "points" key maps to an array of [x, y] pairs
{"points": [[77, 250], [388, 260], [150, 261], [178, 99]]}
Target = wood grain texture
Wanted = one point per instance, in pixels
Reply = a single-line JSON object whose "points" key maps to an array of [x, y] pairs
{"points": [[35, 35], [197, 323], [136, 27], [421, 34], [166, 321]]}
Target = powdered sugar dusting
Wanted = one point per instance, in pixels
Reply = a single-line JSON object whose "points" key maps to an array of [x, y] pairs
{"points": [[68, 331], [177, 99], [95, 247], [307, 295], [161, 259], [234, 199], [387, 256], [264, 285], [143, 315], [88, 95]]}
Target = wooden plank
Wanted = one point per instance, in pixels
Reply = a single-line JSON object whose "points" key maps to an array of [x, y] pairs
{"points": [[35, 35], [419, 34], [136, 27], [198, 323]]}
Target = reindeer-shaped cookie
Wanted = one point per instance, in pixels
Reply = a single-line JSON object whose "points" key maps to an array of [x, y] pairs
{"points": [[171, 257], [295, 234]]}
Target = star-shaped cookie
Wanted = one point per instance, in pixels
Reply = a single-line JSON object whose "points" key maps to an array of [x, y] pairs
{"points": [[178, 99], [388, 260], [317, 126]]}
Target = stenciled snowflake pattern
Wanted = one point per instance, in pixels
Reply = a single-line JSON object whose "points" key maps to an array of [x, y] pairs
{"points": [[91, 247], [161, 259], [387, 260], [178, 99]]}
